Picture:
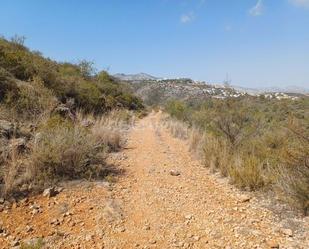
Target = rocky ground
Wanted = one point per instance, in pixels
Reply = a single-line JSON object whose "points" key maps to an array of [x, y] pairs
{"points": [[160, 197]]}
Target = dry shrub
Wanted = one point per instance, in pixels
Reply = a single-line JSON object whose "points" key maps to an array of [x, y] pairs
{"points": [[33, 101], [210, 146], [10, 173], [5, 113], [14, 171], [247, 173], [293, 180], [295, 187], [244, 170], [36, 244], [177, 128], [196, 141], [107, 135], [256, 142], [109, 129], [212, 153], [64, 152]]}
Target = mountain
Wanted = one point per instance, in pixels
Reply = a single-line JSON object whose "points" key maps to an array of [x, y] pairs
{"points": [[161, 90], [288, 89], [134, 77]]}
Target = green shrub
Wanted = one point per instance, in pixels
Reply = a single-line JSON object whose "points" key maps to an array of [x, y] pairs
{"points": [[93, 93], [31, 87], [37, 244], [32, 100], [7, 85], [16, 60], [253, 141], [177, 109], [89, 98]]}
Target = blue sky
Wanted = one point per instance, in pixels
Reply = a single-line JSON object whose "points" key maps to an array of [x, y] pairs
{"points": [[257, 42]]}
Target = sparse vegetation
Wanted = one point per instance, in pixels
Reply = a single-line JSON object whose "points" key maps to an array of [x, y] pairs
{"points": [[258, 143], [58, 120], [36, 244]]}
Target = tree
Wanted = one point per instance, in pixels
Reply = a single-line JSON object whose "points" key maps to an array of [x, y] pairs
{"points": [[87, 68]]}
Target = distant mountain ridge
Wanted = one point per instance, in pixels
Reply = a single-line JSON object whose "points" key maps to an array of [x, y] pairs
{"points": [[134, 77], [288, 89], [143, 77]]}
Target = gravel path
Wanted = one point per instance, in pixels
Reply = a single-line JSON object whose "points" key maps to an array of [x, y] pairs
{"points": [[171, 201], [164, 199]]}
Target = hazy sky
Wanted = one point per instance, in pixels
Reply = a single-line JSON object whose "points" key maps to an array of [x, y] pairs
{"points": [[257, 42]]}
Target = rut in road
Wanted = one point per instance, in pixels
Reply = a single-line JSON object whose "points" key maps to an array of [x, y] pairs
{"points": [[191, 210]]}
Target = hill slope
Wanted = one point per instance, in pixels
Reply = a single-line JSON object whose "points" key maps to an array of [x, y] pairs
{"points": [[134, 77]]}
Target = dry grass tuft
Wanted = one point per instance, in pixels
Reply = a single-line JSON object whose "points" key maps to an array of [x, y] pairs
{"points": [[63, 150], [64, 153], [196, 141], [178, 129], [247, 173], [110, 129], [293, 172]]}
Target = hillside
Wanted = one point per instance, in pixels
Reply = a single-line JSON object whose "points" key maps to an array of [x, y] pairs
{"points": [[91, 91], [134, 77], [51, 115], [84, 165], [155, 91]]}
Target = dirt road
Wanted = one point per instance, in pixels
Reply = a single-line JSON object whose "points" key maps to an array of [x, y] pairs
{"points": [[164, 199], [191, 210]]}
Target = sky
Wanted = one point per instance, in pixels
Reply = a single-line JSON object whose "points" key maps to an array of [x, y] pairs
{"points": [[258, 43]]}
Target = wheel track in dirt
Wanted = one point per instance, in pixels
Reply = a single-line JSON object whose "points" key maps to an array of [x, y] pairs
{"points": [[147, 207], [192, 210]]}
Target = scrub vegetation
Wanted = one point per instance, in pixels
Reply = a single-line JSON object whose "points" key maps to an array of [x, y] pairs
{"points": [[57, 120], [260, 144]]}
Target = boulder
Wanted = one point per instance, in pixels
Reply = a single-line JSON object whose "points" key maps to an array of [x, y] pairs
{"points": [[244, 198], [50, 192], [174, 173]]}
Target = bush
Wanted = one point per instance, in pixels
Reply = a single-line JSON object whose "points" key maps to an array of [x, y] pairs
{"points": [[293, 178], [109, 130], [177, 109], [89, 98], [11, 173], [178, 129], [32, 100], [32, 90], [217, 154], [247, 173], [36, 244], [254, 142], [197, 140], [7, 85], [93, 93], [17, 60], [65, 152]]}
